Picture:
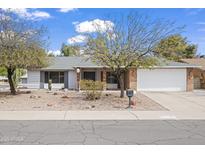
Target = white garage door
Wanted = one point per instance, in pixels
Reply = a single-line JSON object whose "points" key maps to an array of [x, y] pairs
{"points": [[161, 80], [72, 80]]}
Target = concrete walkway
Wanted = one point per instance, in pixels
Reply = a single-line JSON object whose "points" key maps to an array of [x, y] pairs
{"points": [[98, 115]]}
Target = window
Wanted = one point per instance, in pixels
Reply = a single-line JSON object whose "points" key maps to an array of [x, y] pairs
{"points": [[61, 77], [89, 76], [56, 77], [111, 78]]}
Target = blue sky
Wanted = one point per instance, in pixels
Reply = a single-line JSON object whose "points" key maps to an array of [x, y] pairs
{"points": [[61, 23]]}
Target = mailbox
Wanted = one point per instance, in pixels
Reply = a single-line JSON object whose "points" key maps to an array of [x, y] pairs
{"points": [[129, 92]]}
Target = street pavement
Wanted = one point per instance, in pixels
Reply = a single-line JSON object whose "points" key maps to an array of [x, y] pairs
{"points": [[99, 132]]}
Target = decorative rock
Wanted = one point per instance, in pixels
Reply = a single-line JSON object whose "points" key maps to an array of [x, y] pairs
{"points": [[87, 107], [28, 92], [55, 93], [49, 104], [107, 94], [39, 96], [93, 106], [36, 107], [65, 96], [65, 90], [133, 102], [3, 102], [33, 96]]}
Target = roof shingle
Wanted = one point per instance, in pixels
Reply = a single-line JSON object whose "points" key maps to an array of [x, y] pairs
{"points": [[196, 61], [69, 63]]}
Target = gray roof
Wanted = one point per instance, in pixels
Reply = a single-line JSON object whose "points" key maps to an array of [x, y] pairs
{"points": [[69, 63], [172, 64]]}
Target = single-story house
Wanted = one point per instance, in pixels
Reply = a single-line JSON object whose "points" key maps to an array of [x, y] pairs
{"points": [[198, 73], [22, 80], [66, 72]]}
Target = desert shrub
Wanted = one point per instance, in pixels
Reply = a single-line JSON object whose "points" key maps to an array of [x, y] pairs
{"points": [[93, 89]]}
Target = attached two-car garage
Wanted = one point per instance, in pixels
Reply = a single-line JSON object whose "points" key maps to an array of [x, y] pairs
{"points": [[167, 79]]}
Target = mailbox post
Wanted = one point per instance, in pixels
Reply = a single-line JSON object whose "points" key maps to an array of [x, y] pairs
{"points": [[129, 93]]}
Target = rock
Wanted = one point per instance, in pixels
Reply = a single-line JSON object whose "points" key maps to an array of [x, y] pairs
{"points": [[93, 106], [36, 107], [133, 102], [87, 107], [107, 94], [3, 102], [28, 92], [55, 93], [49, 104], [118, 107], [65, 96], [33, 96], [65, 90]]}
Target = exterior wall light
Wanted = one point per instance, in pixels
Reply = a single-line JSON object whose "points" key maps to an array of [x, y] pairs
{"points": [[78, 70]]}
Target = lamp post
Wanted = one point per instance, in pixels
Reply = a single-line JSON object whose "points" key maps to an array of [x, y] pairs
{"points": [[78, 78]]}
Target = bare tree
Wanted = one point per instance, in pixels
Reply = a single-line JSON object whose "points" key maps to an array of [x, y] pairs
{"points": [[127, 43]]}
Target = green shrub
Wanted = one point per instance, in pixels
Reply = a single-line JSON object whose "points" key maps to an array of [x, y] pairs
{"points": [[93, 89]]}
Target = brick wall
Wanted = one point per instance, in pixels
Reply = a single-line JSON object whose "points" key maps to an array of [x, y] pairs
{"points": [[190, 78], [198, 73], [131, 79]]}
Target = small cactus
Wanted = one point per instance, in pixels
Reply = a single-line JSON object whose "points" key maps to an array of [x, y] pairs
{"points": [[49, 84]]}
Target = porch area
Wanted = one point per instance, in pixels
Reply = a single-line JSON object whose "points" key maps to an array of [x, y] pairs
{"points": [[108, 77]]}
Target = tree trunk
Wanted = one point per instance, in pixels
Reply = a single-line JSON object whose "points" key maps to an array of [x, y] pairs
{"points": [[122, 87], [10, 73]]}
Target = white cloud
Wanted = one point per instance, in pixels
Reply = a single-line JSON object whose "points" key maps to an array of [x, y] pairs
{"points": [[77, 39], [75, 22], [41, 14], [29, 14], [54, 52], [94, 26], [65, 10]]}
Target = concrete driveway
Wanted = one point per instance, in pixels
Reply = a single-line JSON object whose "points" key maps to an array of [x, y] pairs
{"points": [[192, 103]]}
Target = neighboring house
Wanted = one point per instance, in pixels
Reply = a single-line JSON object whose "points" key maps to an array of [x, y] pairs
{"points": [[23, 79], [3, 79], [66, 72], [198, 73]]}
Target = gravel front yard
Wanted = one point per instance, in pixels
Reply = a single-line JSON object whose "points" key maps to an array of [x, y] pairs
{"points": [[72, 100]]}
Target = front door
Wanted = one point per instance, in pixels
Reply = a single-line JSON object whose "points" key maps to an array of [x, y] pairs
{"points": [[89, 76]]}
